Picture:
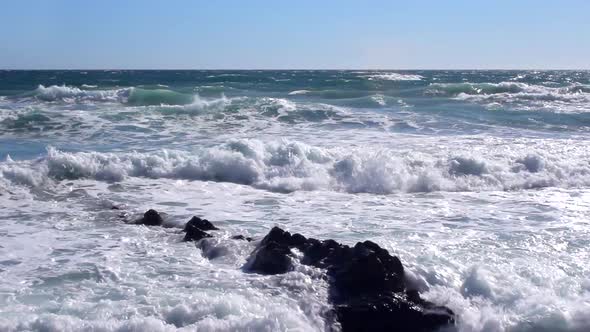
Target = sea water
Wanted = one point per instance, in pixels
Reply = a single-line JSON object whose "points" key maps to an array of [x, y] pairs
{"points": [[478, 180]]}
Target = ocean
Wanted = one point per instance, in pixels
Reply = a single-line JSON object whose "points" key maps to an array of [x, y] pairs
{"points": [[479, 181]]}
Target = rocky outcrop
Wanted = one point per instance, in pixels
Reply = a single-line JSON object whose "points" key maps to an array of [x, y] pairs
{"points": [[367, 284], [368, 288]]}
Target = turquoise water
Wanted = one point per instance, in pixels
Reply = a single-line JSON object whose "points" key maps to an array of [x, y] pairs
{"points": [[478, 180], [53, 106]]}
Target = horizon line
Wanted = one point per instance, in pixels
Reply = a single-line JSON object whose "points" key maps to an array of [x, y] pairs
{"points": [[292, 69]]}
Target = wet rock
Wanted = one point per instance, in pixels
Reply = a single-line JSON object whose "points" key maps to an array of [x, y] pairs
{"points": [[368, 269], [276, 235], [242, 237], [202, 224], [196, 227], [367, 285], [298, 240], [270, 258], [390, 312], [150, 218], [194, 233]]}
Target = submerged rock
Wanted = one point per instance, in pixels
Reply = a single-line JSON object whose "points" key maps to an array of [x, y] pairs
{"points": [[202, 224], [211, 250], [367, 285], [242, 237], [151, 218], [195, 234]]}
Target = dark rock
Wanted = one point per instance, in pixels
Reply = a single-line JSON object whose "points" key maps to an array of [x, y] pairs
{"points": [[270, 258], [242, 237], [388, 312], [324, 253], [298, 240], [194, 234], [196, 227], [413, 295], [367, 285], [150, 218], [202, 224], [276, 235]]}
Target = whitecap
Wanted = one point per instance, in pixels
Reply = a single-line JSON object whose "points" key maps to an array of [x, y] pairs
{"points": [[299, 92], [287, 166], [394, 77]]}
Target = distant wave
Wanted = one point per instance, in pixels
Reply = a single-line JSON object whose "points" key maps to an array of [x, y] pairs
{"points": [[514, 92], [299, 92], [73, 94], [291, 166], [130, 96], [393, 77], [143, 97], [48, 120], [331, 93], [268, 107], [504, 87]]}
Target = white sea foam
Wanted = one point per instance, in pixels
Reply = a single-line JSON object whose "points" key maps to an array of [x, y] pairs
{"points": [[489, 302], [379, 99], [282, 105], [6, 114], [291, 166], [199, 104], [488, 219], [503, 261], [509, 87], [131, 277]]}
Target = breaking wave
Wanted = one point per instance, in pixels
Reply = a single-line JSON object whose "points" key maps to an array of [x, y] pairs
{"points": [[514, 92], [393, 77], [73, 94], [130, 96], [289, 166], [174, 102], [455, 89], [299, 92]]}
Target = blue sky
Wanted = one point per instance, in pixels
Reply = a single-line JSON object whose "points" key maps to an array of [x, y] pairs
{"points": [[255, 34]]}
